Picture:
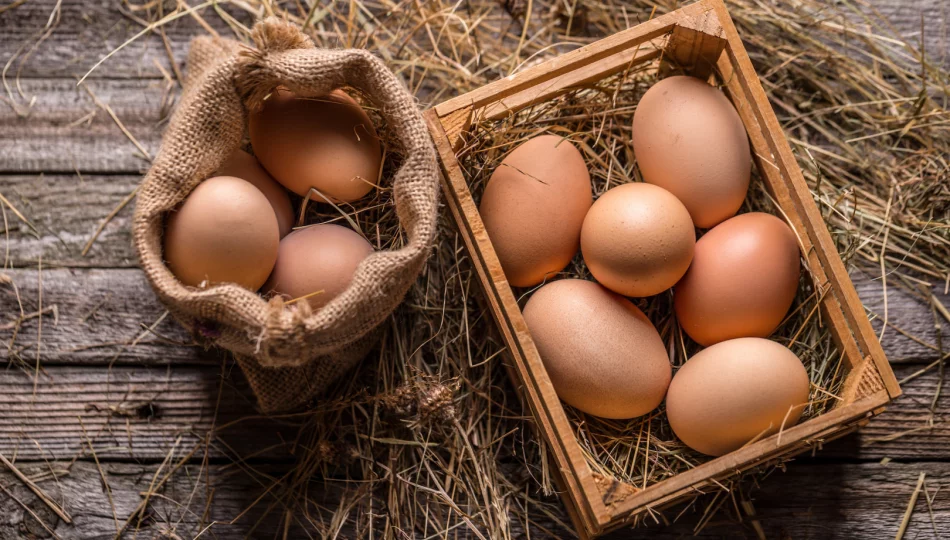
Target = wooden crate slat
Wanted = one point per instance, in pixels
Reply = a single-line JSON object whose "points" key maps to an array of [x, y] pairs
{"points": [[770, 448], [579, 58], [772, 175], [526, 364], [831, 261]]}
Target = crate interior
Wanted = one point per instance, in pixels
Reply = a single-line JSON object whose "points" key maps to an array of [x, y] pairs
{"points": [[597, 118]]}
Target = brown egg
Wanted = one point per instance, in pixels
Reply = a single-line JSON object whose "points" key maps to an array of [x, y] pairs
{"points": [[637, 239], [736, 391], [317, 263], [327, 142], [242, 165], [224, 232], [603, 355], [689, 140], [533, 208], [742, 281]]}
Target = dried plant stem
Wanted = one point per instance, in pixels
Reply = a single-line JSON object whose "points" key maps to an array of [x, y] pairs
{"points": [[105, 221], [910, 507], [40, 494]]}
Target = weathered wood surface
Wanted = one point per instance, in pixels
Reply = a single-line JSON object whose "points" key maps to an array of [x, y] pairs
{"points": [[100, 309], [67, 131], [823, 501], [64, 163], [133, 413], [138, 412], [62, 230], [88, 30]]}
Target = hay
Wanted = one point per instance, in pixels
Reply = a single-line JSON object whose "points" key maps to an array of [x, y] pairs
{"points": [[641, 451], [866, 113]]}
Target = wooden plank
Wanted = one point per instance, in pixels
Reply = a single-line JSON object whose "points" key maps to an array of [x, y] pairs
{"points": [[827, 501], [839, 501], [67, 131], [133, 413], [907, 429], [217, 493], [66, 210], [98, 307], [627, 59], [139, 412], [89, 30], [99, 313], [776, 184], [695, 45]]}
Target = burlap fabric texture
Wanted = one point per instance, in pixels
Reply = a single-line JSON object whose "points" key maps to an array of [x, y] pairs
{"points": [[289, 353]]}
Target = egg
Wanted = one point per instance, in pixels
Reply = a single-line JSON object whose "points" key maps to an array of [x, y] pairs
{"points": [[689, 140], [326, 142], [742, 280], [601, 352], [225, 231], [736, 391], [637, 239], [242, 165], [533, 208], [317, 263]]}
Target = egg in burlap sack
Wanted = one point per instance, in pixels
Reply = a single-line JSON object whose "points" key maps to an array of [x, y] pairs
{"points": [[289, 353]]}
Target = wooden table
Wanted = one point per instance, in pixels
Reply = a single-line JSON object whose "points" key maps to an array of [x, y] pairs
{"points": [[101, 407]]}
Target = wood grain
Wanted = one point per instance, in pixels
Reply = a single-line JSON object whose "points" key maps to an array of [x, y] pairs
{"points": [[139, 413], [821, 501], [88, 30], [66, 131], [66, 210], [98, 314], [133, 413]]}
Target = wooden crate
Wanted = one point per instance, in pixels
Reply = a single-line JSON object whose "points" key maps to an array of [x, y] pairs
{"points": [[701, 39]]}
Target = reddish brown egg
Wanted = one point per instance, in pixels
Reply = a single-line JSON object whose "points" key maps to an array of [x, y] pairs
{"points": [[326, 142], [317, 263], [689, 140], [637, 239], [533, 208], [242, 165], [603, 355], [735, 392], [224, 232], [742, 280]]}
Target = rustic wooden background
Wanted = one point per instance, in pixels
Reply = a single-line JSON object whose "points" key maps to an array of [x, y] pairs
{"points": [[99, 406]]}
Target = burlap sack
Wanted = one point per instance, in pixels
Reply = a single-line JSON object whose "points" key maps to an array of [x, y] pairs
{"points": [[288, 353]]}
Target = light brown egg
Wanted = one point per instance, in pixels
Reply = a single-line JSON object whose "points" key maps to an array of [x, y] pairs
{"points": [[533, 208], [242, 165], [736, 391], [603, 355], [317, 263], [224, 232], [689, 140], [637, 239], [742, 280], [327, 142]]}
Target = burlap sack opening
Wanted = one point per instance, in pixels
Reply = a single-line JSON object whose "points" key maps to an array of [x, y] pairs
{"points": [[289, 353]]}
